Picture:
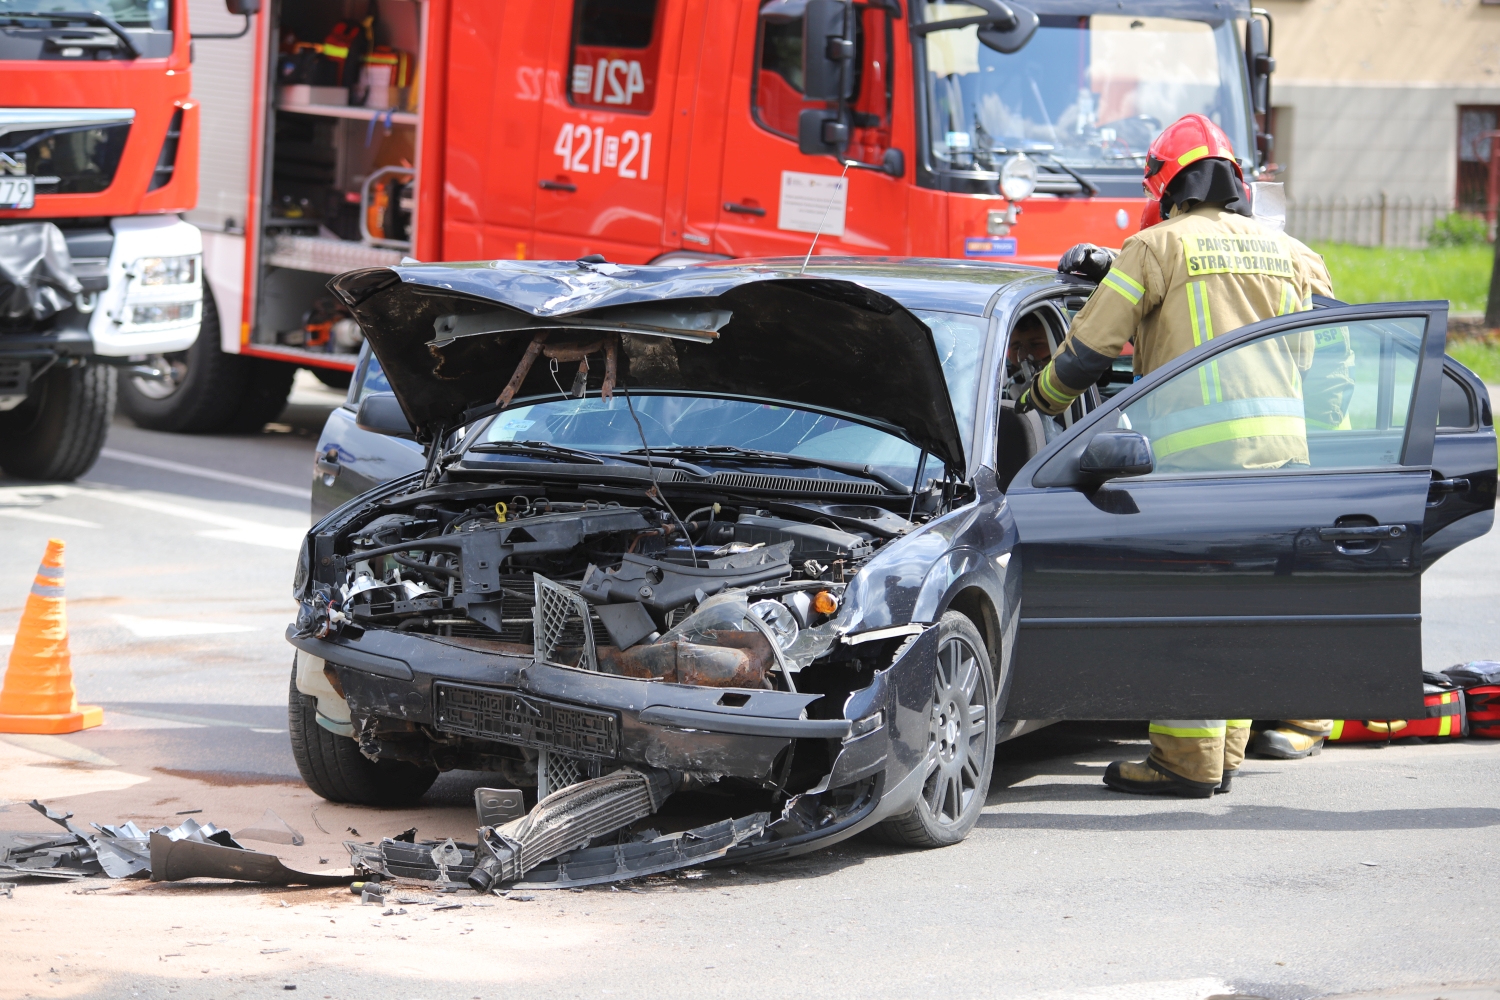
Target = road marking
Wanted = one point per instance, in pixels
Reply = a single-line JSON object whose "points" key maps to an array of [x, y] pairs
{"points": [[161, 628], [225, 527], [301, 493], [1181, 989], [56, 746], [34, 515], [7, 638], [199, 720], [128, 720]]}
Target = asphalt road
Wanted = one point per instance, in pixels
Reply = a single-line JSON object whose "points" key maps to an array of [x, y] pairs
{"points": [[1363, 869]]}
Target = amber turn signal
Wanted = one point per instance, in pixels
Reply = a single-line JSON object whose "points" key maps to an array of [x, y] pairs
{"points": [[824, 603]]}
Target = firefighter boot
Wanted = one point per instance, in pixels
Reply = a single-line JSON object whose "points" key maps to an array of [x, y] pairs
{"points": [[1187, 760], [1236, 735], [1293, 739]]}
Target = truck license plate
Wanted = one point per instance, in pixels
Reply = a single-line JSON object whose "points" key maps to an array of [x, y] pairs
{"points": [[17, 192]]}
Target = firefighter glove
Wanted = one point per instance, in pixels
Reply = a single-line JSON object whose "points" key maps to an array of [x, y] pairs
{"points": [[1086, 261]]}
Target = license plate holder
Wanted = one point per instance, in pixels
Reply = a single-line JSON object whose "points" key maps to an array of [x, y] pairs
{"points": [[17, 191], [525, 720]]}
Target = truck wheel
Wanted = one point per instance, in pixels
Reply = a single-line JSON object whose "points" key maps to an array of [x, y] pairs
{"points": [[960, 743], [267, 385], [334, 378], [58, 431], [334, 768]]}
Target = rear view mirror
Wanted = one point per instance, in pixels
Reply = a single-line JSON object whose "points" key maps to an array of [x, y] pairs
{"points": [[241, 8], [1014, 39], [1116, 455], [827, 50], [380, 413]]}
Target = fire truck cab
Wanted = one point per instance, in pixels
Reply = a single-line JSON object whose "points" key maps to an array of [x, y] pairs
{"points": [[671, 130]]}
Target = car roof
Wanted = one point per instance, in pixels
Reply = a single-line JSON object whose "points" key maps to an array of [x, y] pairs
{"points": [[932, 283]]}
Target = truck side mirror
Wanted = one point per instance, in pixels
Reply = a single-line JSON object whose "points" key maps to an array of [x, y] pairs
{"points": [[1260, 65], [827, 51], [1116, 455], [821, 132], [1012, 39], [242, 8], [380, 413]]}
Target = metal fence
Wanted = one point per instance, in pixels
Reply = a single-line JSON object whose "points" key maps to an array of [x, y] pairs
{"points": [[1378, 220]]}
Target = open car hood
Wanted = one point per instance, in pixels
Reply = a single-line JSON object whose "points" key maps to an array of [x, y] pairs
{"points": [[449, 337]]}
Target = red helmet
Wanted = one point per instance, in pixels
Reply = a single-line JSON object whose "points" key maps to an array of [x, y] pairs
{"points": [[1187, 140]]}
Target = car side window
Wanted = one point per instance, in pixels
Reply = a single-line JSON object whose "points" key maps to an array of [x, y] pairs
{"points": [[367, 379], [1455, 406], [1326, 397], [615, 55]]}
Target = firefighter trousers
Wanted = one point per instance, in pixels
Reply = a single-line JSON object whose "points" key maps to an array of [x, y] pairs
{"points": [[1197, 752]]}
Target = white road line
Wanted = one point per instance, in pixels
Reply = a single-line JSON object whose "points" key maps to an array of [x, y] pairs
{"points": [[34, 515], [56, 746], [301, 493], [232, 529], [161, 628], [1181, 989]]}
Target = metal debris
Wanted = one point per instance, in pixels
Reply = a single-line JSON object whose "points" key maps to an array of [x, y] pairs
{"points": [[7, 890], [121, 851]]}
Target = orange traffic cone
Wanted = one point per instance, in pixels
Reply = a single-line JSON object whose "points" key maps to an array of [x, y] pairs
{"points": [[38, 696]]}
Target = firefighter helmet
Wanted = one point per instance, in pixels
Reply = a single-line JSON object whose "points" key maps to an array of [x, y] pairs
{"points": [[1187, 140]]}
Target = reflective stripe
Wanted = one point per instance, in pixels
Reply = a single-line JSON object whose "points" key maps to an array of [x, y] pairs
{"points": [[1189, 728], [1338, 729], [1445, 727], [1052, 392], [50, 572], [44, 591], [1288, 300], [1237, 723], [1201, 416], [1229, 430], [1203, 329], [1125, 285], [335, 51], [1197, 153]]}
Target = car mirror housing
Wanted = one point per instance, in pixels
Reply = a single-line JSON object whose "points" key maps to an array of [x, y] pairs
{"points": [[380, 413], [1116, 455]]}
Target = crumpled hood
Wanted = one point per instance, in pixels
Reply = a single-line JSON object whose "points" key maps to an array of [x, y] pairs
{"points": [[450, 336]]}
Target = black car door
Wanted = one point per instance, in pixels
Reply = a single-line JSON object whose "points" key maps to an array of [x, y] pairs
{"points": [[1246, 575], [350, 461]]}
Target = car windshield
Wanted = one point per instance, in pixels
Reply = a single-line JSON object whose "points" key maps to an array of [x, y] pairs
{"points": [[674, 421], [129, 13], [1091, 92]]}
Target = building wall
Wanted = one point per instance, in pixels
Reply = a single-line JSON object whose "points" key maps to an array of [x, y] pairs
{"points": [[1374, 88]]}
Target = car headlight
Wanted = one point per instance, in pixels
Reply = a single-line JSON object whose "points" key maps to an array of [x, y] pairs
{"points": [[167, 270], [1018, 177], [163, 312]]}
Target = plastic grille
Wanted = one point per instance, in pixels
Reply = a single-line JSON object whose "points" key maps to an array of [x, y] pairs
{"points": [[795, 484], [562, 623]]}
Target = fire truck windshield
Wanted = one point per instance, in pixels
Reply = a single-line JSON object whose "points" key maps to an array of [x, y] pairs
{"points": [[1087, 92], [151, 14]]}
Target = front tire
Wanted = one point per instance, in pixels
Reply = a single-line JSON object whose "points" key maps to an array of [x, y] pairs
{"points": [[334, 768], [960, 742], [58, 431]]}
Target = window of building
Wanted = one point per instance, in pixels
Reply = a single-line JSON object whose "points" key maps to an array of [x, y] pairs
{"points": [[1474, 155], [616, 52]]}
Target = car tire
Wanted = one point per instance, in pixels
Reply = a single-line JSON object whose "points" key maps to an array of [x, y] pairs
{"points": [[961, 743], [58, 431], [334, 768]]}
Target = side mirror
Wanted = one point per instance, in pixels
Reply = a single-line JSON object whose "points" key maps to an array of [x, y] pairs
{"points": [[380, 413], [1009, 40], [827, 51], [242, 8], [822, 132], [1116, 455]]}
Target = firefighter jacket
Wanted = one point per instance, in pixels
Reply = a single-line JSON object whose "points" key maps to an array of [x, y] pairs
{"points": [[1176, 285]]}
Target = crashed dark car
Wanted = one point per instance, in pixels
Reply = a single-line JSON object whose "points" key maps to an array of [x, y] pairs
{"points": [[772, 546]]}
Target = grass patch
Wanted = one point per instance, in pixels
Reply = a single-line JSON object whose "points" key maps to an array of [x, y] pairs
{"points": [[1390, 274], [1482, 357]]}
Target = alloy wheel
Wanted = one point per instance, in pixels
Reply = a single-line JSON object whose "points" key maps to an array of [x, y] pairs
{"points": [[173, 368], [956, 734]]}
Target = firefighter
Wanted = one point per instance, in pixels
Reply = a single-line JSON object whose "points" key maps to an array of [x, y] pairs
{"points": [[1206, 267]]}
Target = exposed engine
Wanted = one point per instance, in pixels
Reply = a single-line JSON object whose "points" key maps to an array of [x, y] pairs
{"points": [[723, 597]]}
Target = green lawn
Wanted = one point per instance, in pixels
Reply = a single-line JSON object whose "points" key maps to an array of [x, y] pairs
{"points": [[1385, 274], [1480, 357]]}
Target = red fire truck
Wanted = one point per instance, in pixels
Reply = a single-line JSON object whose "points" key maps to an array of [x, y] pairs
{"points": [[98, 154], [683, 130]]}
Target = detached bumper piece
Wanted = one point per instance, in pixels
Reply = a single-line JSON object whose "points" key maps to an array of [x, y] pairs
{"points": [[174, 860]]}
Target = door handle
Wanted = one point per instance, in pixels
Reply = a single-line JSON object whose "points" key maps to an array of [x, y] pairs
{"points": [[1362, 533], [738, 209], [558, 186], [1440, 486], [327, 465]]}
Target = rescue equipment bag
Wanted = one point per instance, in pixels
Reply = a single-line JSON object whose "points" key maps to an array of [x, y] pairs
{"points": [[1445, 717], [1480, 680]]}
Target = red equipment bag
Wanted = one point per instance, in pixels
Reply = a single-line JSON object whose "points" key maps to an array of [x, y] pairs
{"points": [[1445, 717], [1480, 680]]}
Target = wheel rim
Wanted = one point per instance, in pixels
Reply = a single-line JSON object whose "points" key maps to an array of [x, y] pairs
{"points": [[957, 732], [174, 372]]}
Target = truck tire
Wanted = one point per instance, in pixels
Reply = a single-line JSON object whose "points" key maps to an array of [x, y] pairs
{"points": [[334, 378], [961, 751], [208, 391], [334, 768], [57, 432]]}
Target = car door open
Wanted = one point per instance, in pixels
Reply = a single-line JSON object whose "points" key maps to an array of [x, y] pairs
{"points": [[1264, 558]]}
